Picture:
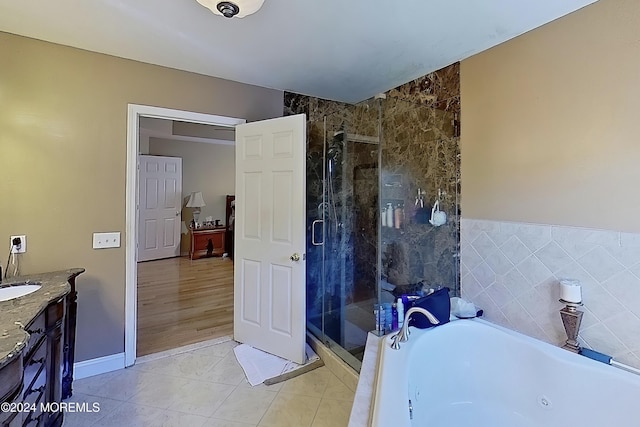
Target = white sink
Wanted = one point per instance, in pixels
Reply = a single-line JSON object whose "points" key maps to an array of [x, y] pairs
{"points": [[15, 291]]}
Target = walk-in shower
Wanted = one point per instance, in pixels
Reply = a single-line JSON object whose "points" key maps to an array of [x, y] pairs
{"points": [[360, 159]]}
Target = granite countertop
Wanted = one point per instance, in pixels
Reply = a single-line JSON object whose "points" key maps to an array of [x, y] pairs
{"points": [[15, 314]]}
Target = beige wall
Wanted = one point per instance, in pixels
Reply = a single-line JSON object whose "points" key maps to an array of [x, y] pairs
{"points": [[63, 115], [209, 168], [550, 123]]}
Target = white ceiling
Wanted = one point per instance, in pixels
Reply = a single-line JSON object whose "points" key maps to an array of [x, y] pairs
{"points": [[345, 50]]}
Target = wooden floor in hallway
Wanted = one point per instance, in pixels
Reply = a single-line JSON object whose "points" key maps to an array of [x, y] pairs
{"points": [[183, 301]]}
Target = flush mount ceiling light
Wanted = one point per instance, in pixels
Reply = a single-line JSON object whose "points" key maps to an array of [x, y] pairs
{"points": [[229, 9]]}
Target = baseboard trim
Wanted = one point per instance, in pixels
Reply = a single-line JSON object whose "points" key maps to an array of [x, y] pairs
{"points": [[97, 366]]}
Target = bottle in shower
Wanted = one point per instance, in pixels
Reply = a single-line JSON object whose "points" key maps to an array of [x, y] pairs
{"points": [[389, 215], [388, 316], [383, 217], [394, 317], [400, 308], [398, 216]]}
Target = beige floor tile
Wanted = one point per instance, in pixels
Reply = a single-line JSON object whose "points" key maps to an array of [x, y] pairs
{"points": [[215, 422], [186, 365], [245, 405], [178, 419], [275, 387], [218, 350], [159, 391], [336, 389], [311, 384], [290, 410], [200, 398], [332, 413], [130, 415], [227, 371], [118, 385], [86, 418]]}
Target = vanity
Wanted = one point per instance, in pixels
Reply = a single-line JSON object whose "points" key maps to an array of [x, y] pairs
{"points": [[37, 347]]}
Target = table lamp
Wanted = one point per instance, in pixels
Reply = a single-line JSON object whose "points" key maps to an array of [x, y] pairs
{"points": [[196, 201]]}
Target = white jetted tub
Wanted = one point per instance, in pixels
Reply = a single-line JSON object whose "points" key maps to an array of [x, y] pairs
{"points": [[474, 373]]}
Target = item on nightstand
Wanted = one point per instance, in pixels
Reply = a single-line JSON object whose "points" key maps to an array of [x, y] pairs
{"points": [[196, 201]]}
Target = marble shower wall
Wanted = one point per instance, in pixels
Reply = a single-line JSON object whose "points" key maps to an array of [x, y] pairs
{"points": [[350, 241], [420, 153], [420, 149]]}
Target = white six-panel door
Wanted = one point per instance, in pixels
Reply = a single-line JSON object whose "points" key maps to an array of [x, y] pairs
{"points": [[269, 266], [159, 207]]}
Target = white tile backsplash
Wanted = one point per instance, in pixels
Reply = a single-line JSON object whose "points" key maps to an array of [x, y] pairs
{"points": [[511, 271]]}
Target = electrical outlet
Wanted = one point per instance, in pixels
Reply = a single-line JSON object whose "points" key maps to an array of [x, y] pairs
{"points": [[23, 245], [106, 240]]}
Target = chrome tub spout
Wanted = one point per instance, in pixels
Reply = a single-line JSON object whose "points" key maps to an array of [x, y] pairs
{"points": [[403, 334]]}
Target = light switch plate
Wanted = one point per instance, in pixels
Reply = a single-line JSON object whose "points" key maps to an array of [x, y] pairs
{"points": [[106, 240]]}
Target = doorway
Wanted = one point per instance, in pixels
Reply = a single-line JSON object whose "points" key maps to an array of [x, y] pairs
{"points": [[184, 297], [135, 113]]}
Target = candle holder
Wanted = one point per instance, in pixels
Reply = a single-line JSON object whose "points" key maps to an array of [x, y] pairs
{"points": [[571, 319]]}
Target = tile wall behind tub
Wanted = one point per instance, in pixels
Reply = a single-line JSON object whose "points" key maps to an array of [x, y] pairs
{"points": [[511, 270]]}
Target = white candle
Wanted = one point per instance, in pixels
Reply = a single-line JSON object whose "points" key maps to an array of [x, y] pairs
{"points": [[570, 290]]}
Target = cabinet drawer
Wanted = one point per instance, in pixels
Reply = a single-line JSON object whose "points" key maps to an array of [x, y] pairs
{"points": [[35, 371], [36, 331]]}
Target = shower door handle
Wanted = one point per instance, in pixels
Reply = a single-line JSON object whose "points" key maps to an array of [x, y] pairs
{"points": [[313, 233]]}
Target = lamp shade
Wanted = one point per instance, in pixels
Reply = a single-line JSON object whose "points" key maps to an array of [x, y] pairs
{"points": [[237, 8], [196, 200]]}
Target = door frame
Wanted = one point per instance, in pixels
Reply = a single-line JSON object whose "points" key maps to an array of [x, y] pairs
{"points": [[134, 112]]}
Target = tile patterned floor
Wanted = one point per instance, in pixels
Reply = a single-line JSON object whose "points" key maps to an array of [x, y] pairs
{"points": [[206, 387]]}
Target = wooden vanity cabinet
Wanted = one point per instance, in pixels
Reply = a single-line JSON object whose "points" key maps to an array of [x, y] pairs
{"points": [[42, 365], [11, 392], [35, 380]]}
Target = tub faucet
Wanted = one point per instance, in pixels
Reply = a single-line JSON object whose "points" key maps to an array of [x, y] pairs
{"points": [[403, 335]]}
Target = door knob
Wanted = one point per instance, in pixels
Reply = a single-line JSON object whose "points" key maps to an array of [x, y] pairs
{"points": [[178, 213], [295, 257]]}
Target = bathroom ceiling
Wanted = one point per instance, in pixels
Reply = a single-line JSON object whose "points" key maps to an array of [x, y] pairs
{"points": [[334, 49]]}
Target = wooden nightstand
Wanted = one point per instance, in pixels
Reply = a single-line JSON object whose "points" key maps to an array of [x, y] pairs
{"points": [[200, 238]]}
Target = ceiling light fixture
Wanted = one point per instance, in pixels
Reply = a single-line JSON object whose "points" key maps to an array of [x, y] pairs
{"points": [[229, 9]]}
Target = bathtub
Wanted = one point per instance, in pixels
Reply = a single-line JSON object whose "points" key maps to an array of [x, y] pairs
{"points": [[474, 373]]}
